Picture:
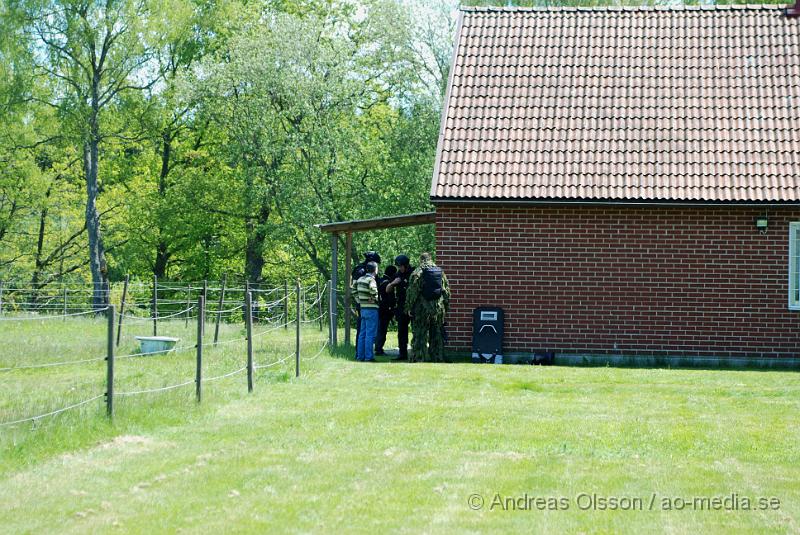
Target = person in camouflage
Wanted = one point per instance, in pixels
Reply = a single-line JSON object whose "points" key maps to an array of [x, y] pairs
{"points": [[427, 302]]}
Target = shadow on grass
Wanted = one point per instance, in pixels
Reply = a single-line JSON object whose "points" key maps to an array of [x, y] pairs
{"points": [[343, 352]]}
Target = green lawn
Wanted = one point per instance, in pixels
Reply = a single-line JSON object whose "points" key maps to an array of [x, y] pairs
{"points": [[354, 447]]}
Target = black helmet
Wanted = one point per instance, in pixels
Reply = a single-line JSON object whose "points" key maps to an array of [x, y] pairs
{"points": [[372, 256], [402, 260]]}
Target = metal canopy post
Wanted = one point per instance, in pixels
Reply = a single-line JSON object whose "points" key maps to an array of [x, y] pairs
{"points": [[348, 267], [334, 318]]}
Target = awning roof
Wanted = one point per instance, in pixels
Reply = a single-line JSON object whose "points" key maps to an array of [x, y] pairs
{"points": [[408, 220]]}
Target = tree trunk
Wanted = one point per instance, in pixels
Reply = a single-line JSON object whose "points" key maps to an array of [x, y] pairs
{"points": [[38, 263], [162, 259], [258, 212], [163, 254], [97, 257], [254, 250]]}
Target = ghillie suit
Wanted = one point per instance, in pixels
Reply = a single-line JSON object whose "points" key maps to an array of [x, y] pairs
{"points": [[427, 301]]}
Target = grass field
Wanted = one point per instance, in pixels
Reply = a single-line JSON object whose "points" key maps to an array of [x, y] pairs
{"points": [[353, 447]]}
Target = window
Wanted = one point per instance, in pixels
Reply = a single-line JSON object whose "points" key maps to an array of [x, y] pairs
{"points": [[794, 266]]}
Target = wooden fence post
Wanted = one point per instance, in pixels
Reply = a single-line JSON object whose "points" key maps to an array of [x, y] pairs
{"points": [[201, 319], [297, 341], [248, 320], [155, 305], [65, 303], [205, 300], [219, 308], [188, 305], [247, 291], [285, 304], [1, 297], [303, 310], [122, 307], [319, 306], [110, 363]]}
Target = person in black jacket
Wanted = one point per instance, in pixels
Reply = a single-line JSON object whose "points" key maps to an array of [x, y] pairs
{"points": [[387, 302], [399, 286]]}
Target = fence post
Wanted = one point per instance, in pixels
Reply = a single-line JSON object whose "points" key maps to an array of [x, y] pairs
{"points": [[248, 321], [297, 341], [332, 319], [303, 310], [122, 307], [155, 305], [65, 303], [205, 299], [247, 291], [201, 319], [219, 308], [285, 304], [110, 364], [319, 306], [1, 297], [188, 305]]}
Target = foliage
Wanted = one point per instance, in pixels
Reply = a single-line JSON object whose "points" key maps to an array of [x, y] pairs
{"points": [[192, 138]]}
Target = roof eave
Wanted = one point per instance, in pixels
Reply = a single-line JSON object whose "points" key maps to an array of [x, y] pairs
{"points": [[446, 106], [629, 202]]}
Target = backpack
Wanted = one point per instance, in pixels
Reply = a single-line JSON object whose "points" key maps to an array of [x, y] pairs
{"points": [[359, 271], [432, 283]]}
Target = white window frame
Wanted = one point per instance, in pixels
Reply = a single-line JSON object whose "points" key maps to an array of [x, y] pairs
{"points": [[794, 265]]}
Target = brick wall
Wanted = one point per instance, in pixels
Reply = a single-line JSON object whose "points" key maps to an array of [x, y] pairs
{"points": [[630, 280]]}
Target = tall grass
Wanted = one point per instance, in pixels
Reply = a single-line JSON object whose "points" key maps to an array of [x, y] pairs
{"points": [[27, 391]]}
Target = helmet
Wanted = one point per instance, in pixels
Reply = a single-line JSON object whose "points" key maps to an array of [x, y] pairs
{"points": [[372, 256], [402, 260]]}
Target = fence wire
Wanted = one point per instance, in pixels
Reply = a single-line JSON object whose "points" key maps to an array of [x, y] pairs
{"points": [[51, 413], [152, 390], [52, 317], [51, 364], [284, 359], [223, 376], [140, 319], [319, 352]]}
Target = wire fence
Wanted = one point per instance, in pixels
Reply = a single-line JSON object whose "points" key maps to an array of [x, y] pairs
{"points": [[307, 308], [145, 299]]}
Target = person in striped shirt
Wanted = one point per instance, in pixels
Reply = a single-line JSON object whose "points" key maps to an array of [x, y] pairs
{"points": [[367, 297]]}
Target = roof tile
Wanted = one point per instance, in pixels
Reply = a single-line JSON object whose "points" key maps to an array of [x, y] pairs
{"points": [[623, 104]]}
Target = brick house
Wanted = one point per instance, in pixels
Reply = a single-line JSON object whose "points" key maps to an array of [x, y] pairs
{"points": [[625, 181]]}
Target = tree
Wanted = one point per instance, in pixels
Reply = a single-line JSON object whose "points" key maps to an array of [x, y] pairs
{"points": [[93, 53], [304, 101]]}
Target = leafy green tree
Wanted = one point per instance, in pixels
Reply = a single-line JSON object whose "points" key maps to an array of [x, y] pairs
{"points": [[307, 103], [91, 54]]}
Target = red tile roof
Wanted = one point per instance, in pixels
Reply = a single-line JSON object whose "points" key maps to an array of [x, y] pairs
{"points": [[623, 104]]}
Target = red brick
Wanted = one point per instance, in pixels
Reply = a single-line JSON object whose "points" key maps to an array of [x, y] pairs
{"points": [[678, 280]]}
